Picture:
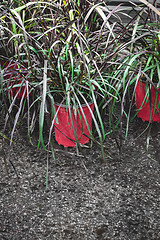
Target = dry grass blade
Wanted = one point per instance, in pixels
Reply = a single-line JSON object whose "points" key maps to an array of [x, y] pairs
{"points": [[150, 6]]}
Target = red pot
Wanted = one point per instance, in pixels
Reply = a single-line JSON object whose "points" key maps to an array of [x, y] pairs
{"points": [[144, 110], [64, 133], [15, 77]]}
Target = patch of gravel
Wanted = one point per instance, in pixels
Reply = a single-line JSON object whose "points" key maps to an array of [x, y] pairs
{"points": [[86, 198]]}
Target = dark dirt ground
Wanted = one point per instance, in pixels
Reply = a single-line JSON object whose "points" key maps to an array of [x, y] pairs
{"points": [[86, 198]]}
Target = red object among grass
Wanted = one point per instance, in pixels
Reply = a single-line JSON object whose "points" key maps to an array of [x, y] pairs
{"points": [[14, 74], [145, 112], [64, 131]]}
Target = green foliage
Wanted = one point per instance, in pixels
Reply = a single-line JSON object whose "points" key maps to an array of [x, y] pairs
{"points": [[142, 61], [89, 56], [70, 37]]}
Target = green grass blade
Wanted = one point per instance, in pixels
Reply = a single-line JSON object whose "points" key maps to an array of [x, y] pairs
{"points": [[42, 107]]}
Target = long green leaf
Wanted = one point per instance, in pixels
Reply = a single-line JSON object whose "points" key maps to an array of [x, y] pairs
{"points": [[42, 107]]}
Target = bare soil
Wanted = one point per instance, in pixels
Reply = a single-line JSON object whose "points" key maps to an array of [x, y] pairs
{"points": [[86, 198]]}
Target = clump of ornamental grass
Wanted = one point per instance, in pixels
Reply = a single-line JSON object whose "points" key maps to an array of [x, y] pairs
{"points": [[66, 52], [141, 61]]}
